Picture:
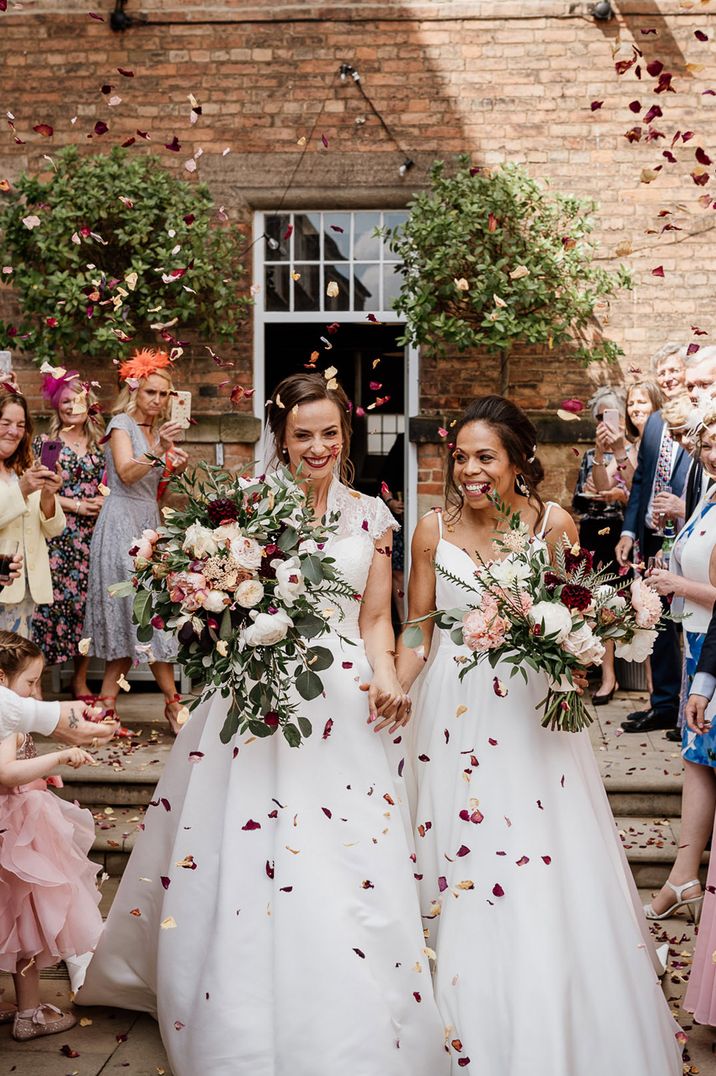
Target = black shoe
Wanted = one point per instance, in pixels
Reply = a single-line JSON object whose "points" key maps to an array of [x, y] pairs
{"points": [[602, 700], [636, 714], [674, 735], [651, 720]]}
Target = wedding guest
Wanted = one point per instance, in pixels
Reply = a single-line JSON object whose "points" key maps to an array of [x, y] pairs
{"points": [[657, 485], [601, 508], [701, 387], [520, 871], [30, 513], [49, 909], [138, 431], [642, 399], [691, 579], [75, 420]]}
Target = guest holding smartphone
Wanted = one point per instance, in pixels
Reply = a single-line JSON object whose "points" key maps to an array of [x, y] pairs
{"points": [[30, 513], [140, 448], [75, 430]]}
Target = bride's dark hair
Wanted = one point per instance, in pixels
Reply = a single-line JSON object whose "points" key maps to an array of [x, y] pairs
{"points": [[304, 388], [518, 438]]}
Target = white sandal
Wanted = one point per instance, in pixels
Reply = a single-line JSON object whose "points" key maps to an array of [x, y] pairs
{"points": [[693, 902]]}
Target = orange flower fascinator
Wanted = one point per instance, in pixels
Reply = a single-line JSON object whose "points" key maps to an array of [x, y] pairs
{"points": [[143, 363]]}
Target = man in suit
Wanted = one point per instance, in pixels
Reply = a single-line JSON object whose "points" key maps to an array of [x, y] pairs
{"points": [[661, 463], [700, 381]]}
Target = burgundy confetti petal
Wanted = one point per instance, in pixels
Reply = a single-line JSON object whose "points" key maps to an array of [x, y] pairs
{"points": [[547, 860], [442, 883], [595, 105], [251, 824], [497, 890], [94, 15], [655, 67], [43, 129], [166, 882], [635, 106], [463, 1062], [327, 728], [269, 869], [701, 156], [416, 995], [100, 127], [463, 850], [653, 113], [360, 953], [700, 35], [124, 71], [327, 813], [165, 804], [174, 145], [659, 271], [523, 861]]}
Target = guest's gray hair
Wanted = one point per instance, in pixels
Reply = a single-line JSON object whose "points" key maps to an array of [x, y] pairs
{"points": [[704, 354], [607, 397], [665, 352]]}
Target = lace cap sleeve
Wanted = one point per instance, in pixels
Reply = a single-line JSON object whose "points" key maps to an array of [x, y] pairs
{"points": [[381, 519]]}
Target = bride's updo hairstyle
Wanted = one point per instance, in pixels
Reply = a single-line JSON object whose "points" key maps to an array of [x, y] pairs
{"points": [[519, 440], [300, 389]]}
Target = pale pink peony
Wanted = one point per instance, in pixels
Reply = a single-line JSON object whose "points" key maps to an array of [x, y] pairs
{"points": [[646, 603], [524, 605], [188, 589], [484, 628]]}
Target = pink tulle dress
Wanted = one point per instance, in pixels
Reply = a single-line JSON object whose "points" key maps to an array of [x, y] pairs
{"points": [[700, 998], [48, 893]]}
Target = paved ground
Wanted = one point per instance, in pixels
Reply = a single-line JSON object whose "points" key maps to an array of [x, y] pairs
{"points": [[115, 1041]]}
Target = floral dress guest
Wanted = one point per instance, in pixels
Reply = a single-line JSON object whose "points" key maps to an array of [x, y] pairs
{"points": [[57, 628]]}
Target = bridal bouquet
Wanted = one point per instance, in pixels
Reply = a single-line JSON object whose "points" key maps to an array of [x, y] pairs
{"points": [[241, 577], [553, 619]]}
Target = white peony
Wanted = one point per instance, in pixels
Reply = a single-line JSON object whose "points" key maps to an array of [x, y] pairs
{"points": [[200, 541], [584, 645], [249, 593], [247, 552], [640, 647], [508, 572], [610, 599], [215, 601], [289, 579], [556, 617], [268, 629]]}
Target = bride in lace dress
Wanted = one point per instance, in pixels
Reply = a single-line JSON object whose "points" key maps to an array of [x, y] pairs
{"points": [[544, 962], [268, 915]]}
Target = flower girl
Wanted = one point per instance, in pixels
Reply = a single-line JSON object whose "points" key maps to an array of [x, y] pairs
{"points": [[48, 895]]}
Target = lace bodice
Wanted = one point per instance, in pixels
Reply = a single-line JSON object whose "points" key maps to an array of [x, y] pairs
{"points": [[361, 521]]}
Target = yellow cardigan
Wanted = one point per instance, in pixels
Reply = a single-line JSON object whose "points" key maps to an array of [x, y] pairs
{"points": [[23, 521]]}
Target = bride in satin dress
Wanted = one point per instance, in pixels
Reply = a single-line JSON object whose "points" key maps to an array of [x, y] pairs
{"points": [[268, 915], [544, 963]]}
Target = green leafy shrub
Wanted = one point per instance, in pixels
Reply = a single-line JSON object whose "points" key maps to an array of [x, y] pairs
{"points": [[491, 260], [113, 248]]}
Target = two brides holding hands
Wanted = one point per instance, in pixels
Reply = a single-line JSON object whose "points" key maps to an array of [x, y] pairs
{"points": [[398, 897]]}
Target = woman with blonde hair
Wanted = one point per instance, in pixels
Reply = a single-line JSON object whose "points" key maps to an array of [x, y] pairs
{"points": [[137, 436], [30, 513], [76, 422]]}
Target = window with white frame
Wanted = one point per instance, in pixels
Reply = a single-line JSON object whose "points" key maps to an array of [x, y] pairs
{"points": [[330, 262]]}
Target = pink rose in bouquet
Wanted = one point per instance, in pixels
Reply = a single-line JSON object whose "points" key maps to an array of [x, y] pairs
{"points": [[646, 603], [484, 628]]}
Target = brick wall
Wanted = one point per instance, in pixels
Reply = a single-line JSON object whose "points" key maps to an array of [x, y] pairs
{"points": [[501, 80]]}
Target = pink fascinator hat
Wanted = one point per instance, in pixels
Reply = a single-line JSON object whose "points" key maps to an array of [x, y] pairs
{"points": [[54, 384]]}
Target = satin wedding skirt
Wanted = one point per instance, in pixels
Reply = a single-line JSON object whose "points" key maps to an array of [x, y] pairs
{"points": [[268, 915]]}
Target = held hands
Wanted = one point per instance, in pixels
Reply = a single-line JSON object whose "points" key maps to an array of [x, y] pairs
{"points": [[388, 703], [695, 713]]}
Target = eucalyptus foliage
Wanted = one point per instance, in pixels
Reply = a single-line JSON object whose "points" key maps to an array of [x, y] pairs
{"points": [[113, 248], [491, 259]]}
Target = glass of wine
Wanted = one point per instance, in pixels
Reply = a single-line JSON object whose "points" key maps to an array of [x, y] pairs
{"points": [[8, 550]]}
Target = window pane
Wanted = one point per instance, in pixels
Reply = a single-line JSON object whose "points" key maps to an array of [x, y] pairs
{"points": [[391, 220], [306, 237], [278, 286], [392, 280], [337, 274], [366, 295], [307, 289], [366, 246], [276, 248], [336, 236]]}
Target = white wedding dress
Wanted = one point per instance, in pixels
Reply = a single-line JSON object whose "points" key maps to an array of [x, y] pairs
{"points": [[544, 962], [268, 915]]}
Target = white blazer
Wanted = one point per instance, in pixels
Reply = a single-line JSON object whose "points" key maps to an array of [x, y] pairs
{"points": [[23, 521]]}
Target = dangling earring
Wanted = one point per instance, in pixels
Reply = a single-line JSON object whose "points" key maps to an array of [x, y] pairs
{"points": [[521, 486]]}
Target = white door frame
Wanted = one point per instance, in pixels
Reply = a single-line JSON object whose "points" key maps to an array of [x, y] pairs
{"points": [[262, 318]]}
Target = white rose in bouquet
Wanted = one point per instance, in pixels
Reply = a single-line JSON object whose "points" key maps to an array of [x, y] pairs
{"points": [[508, 572], [227, 532], [289, 579], [584, 645], [308, 546], [249, 593], [216, 601], [247, 552], [268, 629], [555, 616], [200, 541], [608, 597], [639, 647]]}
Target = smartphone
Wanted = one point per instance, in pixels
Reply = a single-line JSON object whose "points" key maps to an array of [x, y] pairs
{"points": [[5, 363], [181, 409], [50, 454], [611, 419]]}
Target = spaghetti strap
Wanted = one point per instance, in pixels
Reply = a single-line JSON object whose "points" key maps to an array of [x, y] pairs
{"points": [[548, 508], [439, 513]]}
